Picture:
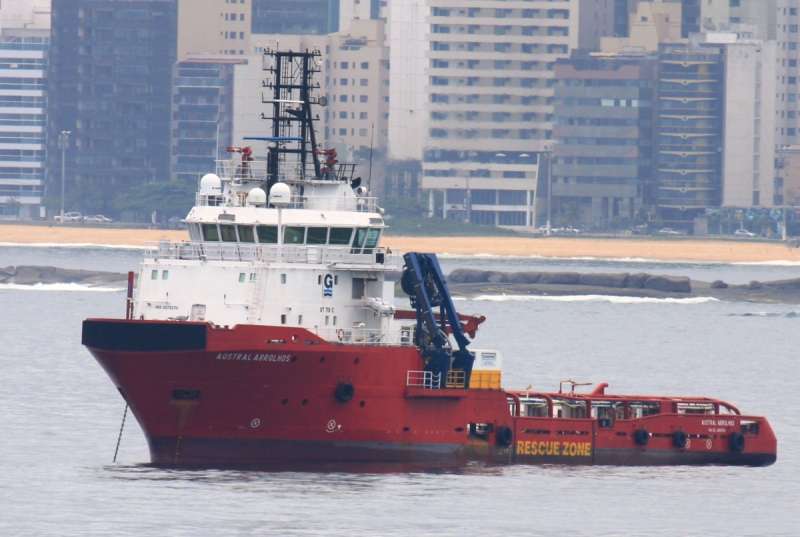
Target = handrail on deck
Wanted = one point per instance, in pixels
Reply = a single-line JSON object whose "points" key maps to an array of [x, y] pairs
{"points": [[272, 253]]}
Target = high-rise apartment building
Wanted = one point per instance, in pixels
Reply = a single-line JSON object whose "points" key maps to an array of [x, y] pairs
{"points": [[24, 43], [748, 153], [207, 27], [689, 127], [602, 165], [110, 85], [490, 101], [766, 20], [357, 85], [202, 115], [788, 73]]}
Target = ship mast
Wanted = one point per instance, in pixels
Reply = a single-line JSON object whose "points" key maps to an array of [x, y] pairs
{"points": [[293, 134]]}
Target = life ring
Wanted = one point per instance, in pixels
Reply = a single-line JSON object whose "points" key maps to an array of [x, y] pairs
{"points": [[641, 437], [680, 439], [504, 436], [344, 392], [340, 334], [736, 442]]}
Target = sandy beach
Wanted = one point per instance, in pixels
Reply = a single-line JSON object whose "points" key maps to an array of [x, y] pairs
{"points": [[680, 249]]}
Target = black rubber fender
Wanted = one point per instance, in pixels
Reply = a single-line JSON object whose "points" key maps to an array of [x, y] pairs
{"points": [[736, 442], [344, 392], [641, 437], [680, 439], [504, 436]]}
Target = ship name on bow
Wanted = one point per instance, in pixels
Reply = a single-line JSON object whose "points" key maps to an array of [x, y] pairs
{"points": [[253, 357]]}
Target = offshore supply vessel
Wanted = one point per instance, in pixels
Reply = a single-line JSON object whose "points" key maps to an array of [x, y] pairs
{"points": [[271, 338]]}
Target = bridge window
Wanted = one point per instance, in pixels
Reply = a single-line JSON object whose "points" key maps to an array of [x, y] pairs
{"points": [[358, 242], [267, 234], [373, 234], [341, 236], [246, 234], [366, 239], [210, 232], [317, 235], [194, 232], [294, 235], [227, 232]]}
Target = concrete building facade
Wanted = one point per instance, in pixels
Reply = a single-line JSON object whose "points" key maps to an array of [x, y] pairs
{"points": [[408, 33], [748, 166], [490, 101], [603, 155], [25, 14], [208, 27], [649, 25], [357, 85]]}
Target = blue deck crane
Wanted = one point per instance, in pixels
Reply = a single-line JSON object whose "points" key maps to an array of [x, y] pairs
{"points": [[425, 284]]}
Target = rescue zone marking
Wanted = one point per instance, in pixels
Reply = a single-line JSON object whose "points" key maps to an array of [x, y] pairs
{"points": [[554, 449]]}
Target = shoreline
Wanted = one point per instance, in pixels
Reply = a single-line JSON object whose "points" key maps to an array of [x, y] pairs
{"points": [[627, 248]]}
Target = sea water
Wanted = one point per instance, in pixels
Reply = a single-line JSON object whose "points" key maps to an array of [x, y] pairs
{"points": [[60, 415]]}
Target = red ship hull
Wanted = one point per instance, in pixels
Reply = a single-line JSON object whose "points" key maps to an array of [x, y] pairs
{"points": [[266, 396]]}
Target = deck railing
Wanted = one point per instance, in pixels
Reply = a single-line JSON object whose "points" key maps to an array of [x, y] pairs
{"points": [[423, 379], [456, 378], [272, 253]]}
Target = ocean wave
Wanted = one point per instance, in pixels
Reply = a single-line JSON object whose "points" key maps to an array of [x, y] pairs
{"points": [[776, 263], [789, 315], [630, 260], [646, 260], [59, 287], [593, 298]]}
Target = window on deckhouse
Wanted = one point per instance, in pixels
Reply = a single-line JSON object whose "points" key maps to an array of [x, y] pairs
{"points": [[246, 234], [210, 232], [294, 235], [340, 236], [227, 232], [267, 234], [317, 235]]}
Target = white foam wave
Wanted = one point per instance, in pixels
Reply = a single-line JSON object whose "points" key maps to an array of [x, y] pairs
{"points": [[631, 260], [59, 287], [776, 263], [594, 298]]}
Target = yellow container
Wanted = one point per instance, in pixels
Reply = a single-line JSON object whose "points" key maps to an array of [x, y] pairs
{"points": [[485, 379]]}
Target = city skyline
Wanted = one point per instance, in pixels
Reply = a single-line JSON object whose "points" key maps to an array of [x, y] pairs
{"points": [[463, 106]]}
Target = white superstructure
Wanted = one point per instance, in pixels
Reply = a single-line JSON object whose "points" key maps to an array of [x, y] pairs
{"points": [[307, 255]]}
